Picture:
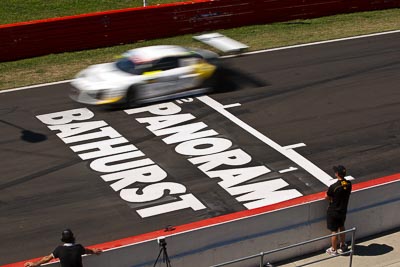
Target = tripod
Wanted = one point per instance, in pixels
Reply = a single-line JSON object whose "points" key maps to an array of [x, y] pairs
{"points": [[163, 250]]}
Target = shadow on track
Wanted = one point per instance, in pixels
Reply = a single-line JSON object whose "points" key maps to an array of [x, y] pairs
{"points": [[230, 79], [27, 135]]}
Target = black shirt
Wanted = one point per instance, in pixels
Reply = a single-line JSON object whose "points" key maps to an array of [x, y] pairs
{"points": [[70, 255], [339, 193]]}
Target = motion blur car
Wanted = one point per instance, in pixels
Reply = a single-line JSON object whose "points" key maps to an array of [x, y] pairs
{"points": [[147, 74]]}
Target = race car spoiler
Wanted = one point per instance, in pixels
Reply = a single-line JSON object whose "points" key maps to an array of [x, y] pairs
{"points": [[221, 42]]}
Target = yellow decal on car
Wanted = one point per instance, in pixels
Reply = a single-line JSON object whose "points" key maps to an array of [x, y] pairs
{"points": [[152, 72], [204, 70], [110, 100]]}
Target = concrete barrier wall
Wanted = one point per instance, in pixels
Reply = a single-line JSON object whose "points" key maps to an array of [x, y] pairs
{"points": [[372, 209], [35, 38]]}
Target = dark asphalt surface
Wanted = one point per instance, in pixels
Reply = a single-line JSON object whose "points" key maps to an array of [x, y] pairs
{"points": [[341, 99]]}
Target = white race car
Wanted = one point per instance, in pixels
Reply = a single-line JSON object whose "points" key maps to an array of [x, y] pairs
{"points": [[147, 74]]}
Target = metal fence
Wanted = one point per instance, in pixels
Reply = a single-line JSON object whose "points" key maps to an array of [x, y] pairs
{"points": [[262, 254]]}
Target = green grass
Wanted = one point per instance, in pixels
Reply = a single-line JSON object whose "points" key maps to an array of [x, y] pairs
{"points": [[24, 10], [64, 66]]}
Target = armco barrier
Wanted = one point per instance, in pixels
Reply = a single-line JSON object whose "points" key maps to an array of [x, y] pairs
{"points": [[373, 208], [35, 38]]}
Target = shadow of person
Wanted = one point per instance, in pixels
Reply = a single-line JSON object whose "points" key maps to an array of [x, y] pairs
{"points": [[32, 137], [372, 249], [27, 135]]}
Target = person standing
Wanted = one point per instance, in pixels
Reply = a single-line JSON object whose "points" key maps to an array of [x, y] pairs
{"points": [[70, 254], [338, 196]]}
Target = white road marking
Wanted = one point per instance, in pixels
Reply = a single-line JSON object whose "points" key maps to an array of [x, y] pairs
{"points": [[33, 86], [314, 43], [304, 163], [288, 170], [232, 105], [247, 53], [294, 146]]}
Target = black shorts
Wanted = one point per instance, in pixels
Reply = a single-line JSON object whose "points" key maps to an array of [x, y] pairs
{"points": [[335, 220]]}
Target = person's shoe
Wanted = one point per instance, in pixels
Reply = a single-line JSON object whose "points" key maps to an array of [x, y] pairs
{"points": [[332, 252], [343, 248]]}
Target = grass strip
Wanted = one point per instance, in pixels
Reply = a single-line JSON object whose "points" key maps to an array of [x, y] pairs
{"points": [[56, 67], [12, 11]]}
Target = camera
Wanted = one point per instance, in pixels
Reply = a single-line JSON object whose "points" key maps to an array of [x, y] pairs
{"points": [[163, 250], [161, 241]]}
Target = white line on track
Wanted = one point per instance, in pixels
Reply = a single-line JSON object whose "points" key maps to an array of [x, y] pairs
{"points": [[291, 154], [33, 86], [290, 169], [232, 105], [230, 56], [294, 146], [314, 43]]}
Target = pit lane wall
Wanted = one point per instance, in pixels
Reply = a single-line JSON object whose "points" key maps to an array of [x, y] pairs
{"points": [[72, 33], [373, 208]]}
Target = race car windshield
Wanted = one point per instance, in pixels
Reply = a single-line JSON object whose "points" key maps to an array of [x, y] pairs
{"points": [[127, 65]]}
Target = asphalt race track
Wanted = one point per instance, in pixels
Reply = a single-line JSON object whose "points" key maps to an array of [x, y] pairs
{"points": [[289, 116]]}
